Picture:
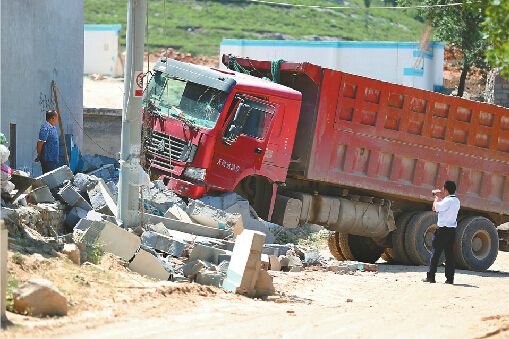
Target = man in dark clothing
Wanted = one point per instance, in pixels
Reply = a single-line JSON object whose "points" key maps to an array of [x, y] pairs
{"points": [[48, 146], [447, 206]]}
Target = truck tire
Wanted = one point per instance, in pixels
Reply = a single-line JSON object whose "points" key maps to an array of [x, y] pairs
{"points": [[334, 248], [398, 238], [354, 247], [418, 237], [476, 245]]}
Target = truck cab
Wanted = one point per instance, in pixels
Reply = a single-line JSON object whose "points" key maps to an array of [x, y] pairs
{"points": [[206, 129]]}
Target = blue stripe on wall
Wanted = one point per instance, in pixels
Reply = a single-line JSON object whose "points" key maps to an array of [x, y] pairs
{"points": [[116, 28], [416, 72], [423, 54], [329, 44]]}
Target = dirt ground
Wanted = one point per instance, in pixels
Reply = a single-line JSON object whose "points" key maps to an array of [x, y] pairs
{"points": [[108, 301]]}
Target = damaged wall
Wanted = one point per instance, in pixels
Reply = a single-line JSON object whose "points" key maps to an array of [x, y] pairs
{"points": [[105, 127], [41, 41]]}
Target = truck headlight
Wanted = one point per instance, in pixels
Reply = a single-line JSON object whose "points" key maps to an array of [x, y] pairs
{"points": [[195, 173]]}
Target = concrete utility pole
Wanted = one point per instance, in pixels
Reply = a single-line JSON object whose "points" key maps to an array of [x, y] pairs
{"points": [[128, 194]]}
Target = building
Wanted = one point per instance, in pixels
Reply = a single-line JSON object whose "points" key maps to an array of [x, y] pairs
{"points": [[101, 47], [41, 41], [404, 63]]}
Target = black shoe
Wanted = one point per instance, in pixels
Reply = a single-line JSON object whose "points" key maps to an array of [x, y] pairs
{"points": [[450, 282], [428, 280]]}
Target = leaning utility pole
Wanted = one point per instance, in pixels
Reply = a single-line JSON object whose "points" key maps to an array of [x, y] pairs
{"points": [[128, 194]]}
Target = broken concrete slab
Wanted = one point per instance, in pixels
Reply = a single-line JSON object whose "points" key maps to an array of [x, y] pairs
{"points": [[106, 172], [213, 217], [245, 264], [187, 238], [41, 195], [163, 243], [192, 268], [57, 177], [177, 213], [207, 253], [38, 297], [275, 249], [294, 261], [148, 265], [71, 196], [110, 238], [186, 227], [209, 278], [101, 198], [82, 181], [264, 285]]}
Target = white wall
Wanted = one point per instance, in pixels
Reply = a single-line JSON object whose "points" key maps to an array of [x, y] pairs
{"points": [[397, 62], [101, 50], [41, 41]]}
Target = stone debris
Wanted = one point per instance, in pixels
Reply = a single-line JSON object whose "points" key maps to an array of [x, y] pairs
{"points": [[57, 177], [72, 252], [101, 198], [149, 265], [245, 264], [38, 297], [41, 195], [175, 212], [70, 195]]}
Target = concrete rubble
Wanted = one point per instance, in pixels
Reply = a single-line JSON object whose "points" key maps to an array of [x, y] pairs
{"points": [[218, 241]]}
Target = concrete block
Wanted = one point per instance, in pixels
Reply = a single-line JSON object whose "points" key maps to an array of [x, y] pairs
{"points": [[264, 285], [101, 198], [265, 263], [209, 278], [105, 172], [146, 264], [245, 264], [163, 243], [3, 270], [283, 261], [294, 261], [192, 268], [274, 264], [190, 228], [213, 217], [287, 211], [71, 197], [207, 253], [275, 249], [111, 238], [177, 213], [57, 177], [74, 216], [41, 195]]}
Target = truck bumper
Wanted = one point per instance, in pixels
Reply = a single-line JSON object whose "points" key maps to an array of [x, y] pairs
{"points": [[185, 188]]}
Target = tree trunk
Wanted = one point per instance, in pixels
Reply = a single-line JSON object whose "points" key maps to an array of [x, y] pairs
{"points": [[463, 77]]}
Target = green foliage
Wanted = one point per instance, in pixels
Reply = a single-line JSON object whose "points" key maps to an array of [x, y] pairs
{"points": [[461, 26], [12, 284], [94, 254], [198, 26], [496, 27]]}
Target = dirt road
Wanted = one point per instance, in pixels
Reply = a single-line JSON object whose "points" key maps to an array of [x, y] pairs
{"points": [[390, 303]]}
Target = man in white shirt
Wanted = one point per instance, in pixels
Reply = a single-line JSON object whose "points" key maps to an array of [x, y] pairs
{"points": [[447, 206]]}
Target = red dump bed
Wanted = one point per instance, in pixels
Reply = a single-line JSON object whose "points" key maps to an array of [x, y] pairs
{"points": [[396, 140]]}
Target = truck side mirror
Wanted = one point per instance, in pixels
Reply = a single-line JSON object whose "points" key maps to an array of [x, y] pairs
{"points": [[237, 124]]}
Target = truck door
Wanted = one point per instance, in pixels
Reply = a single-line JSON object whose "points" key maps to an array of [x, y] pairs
{"points": [[242, 145]]}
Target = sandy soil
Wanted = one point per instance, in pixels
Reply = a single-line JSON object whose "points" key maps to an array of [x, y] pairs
{"points": [[390, 303]]}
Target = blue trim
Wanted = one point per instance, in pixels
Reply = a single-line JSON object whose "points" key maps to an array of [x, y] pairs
{"points": [[438, 88], [423, 54], [416, 72], [328, 44], [90, 28]]}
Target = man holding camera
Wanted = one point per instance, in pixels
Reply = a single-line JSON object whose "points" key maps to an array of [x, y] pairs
{"points": [[447, 206]]}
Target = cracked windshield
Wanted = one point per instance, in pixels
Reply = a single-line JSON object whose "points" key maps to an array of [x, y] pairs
{"points": [[185, 100]]}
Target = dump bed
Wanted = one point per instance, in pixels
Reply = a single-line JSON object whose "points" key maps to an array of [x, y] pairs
{"points": [[396, 140]]}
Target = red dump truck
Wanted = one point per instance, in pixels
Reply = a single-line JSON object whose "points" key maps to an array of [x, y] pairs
{"points": [[306, 144]]}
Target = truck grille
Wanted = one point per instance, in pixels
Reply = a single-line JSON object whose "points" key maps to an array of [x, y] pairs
{"points": [[160, 144]]}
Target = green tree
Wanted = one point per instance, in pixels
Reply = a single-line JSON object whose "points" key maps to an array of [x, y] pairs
{"points": [[496, 27], [460, 25]]}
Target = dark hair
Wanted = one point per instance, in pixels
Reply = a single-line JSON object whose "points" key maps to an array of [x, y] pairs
{"points": [[450, 186], [50, 114]]}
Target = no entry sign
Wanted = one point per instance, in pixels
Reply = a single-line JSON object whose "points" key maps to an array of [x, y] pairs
{"points": [[138, 84]]}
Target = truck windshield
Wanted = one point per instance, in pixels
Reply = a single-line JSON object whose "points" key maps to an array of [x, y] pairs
{"points": [[184, 99]]}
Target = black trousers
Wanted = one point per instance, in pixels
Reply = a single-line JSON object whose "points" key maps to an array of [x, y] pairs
{"points": [[443, 241], [48, 166]]}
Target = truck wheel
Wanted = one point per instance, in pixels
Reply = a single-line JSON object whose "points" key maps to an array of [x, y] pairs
{"points": [[418, 237], [398, 238], [476, 246], [334, 248], [354, 247]]}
